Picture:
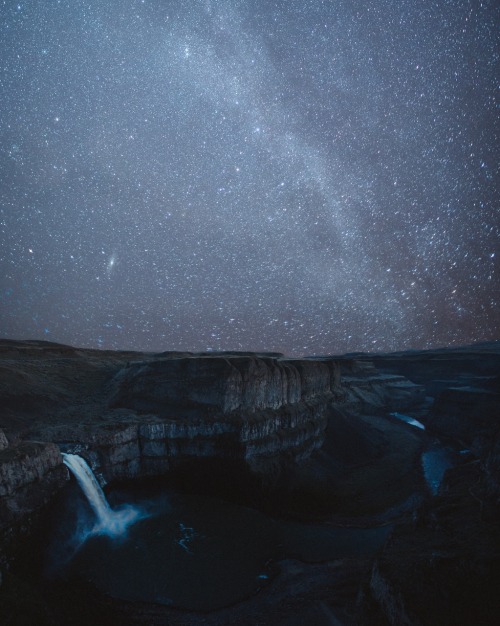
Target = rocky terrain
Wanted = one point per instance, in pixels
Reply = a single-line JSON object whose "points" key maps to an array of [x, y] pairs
{"points": [[442, 565], [303, 438]]}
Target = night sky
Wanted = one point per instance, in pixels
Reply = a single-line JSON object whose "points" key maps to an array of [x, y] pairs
{"points": [[309, 177]]}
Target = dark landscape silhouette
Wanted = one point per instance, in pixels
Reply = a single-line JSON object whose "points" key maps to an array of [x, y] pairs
{"points": [[355, 489]]}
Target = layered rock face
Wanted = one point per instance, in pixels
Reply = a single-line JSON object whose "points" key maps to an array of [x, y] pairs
{"points": [[31, 474], [231, 407], [155, 446], [367, 390], [220, 384]]}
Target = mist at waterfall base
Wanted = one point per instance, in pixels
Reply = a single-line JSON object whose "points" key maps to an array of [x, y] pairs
{"points": [[189, 551], [86, 513], [111, 522]]}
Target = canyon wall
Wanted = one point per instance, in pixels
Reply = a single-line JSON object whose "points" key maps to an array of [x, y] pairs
{"points": [[142, 417], [248, 408], [132, 415], [31, 474]]}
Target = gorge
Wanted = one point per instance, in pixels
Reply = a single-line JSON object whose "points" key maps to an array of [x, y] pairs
{"points": [[296, 459]]}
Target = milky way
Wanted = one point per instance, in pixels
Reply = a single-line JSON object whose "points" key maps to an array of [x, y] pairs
{"points": [[309, 177]]}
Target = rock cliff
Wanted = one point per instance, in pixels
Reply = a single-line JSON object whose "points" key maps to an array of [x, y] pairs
{"points": [[133, 415], [367, 390], [31, 474]]}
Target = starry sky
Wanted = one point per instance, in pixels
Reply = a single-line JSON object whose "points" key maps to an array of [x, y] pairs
{"points": [[302, 176]]}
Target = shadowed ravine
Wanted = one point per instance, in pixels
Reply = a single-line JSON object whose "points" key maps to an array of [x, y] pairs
{"points": [[248, 488], [194, 552]]}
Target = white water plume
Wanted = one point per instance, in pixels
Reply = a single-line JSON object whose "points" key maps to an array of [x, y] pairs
{"points": [[112, 522]]}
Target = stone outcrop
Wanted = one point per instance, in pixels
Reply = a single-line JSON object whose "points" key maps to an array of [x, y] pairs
{"points": [[228, 407], [367, 390], [440, 368], [31, 474], [220, 384]]}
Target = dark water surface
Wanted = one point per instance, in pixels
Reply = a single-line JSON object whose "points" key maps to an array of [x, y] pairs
{"points": [[202, 553], [435, 461]]}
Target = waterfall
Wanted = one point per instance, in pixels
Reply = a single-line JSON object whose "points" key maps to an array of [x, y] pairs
{"points": [[109, 521]]}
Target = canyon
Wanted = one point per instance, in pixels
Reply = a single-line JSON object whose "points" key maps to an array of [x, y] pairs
{"points": [[315, 439]]}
